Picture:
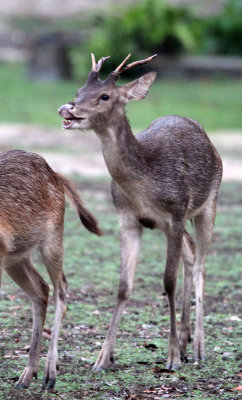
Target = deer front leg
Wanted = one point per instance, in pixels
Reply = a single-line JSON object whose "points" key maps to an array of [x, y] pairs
{"points": [[174, 238], [130, 234], [25, 275]]}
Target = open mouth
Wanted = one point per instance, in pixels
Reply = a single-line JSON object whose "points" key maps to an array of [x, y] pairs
{"points": [[68, 122]]}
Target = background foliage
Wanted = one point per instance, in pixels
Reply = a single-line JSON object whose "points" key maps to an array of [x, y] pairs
{"points": [[153, 26]]}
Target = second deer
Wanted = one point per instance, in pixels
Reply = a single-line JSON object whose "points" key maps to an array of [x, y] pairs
{"points": [[32, 207], [162, 177]]}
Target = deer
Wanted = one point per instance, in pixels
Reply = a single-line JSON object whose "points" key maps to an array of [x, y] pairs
{"points": [[161, 177], [32, 208]]}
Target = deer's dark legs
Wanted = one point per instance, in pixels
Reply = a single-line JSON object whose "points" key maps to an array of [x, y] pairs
{"points": [[26, 277], [52, 254], [188, 258], [204, 223], [174, 242], [130, 235]]}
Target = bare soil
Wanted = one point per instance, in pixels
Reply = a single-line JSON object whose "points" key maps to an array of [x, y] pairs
{"points": [[79, 153]]}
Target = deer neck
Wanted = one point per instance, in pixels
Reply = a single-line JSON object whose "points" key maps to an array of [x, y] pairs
{"points": [[121, 150]]}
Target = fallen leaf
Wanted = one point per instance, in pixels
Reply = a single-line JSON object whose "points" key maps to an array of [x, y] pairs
{"points": [[234, 318], [158, 370], [150, 346], [11, 297], [7, 356], [238, 388], [151, 390]]}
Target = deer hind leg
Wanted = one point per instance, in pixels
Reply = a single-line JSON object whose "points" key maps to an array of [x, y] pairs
{"points": [[204, 223], [29, 280], [188, 258], [130, 234], [3, 250], [174, 241], [52, 254]]}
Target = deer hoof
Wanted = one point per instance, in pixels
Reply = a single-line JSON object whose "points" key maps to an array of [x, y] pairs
{"points": [[98, 368], [21, 386], [48, 384], [173, 367]]}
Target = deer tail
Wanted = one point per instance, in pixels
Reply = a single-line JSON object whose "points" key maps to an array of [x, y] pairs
{"points": [[87, 219]]}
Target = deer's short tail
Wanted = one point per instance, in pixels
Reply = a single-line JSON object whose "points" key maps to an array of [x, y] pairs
{"points": [[88, 220]]}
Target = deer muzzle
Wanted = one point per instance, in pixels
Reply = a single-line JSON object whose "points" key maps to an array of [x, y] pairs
{"points": [[69, 119]]}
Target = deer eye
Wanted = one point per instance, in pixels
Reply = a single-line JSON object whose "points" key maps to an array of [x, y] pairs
{"points": [[105, 97]]}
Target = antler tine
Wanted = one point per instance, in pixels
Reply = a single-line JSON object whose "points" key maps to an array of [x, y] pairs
{"points": [[93, 62], [145, 61], [120, 68], [100, 63]]}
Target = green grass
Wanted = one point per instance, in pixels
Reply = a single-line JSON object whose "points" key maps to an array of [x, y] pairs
{"points": [[92, 269], [216, 104]]}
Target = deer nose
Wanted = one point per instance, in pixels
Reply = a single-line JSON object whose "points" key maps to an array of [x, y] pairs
{"points": [[64, 110]]}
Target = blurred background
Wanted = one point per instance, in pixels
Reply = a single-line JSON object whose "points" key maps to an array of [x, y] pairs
{"points": [[45, 56], [45, 48]]}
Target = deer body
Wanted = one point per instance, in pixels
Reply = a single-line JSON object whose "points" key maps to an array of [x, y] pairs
{"points": [[163, 176], [32, 207], [161, 183]]}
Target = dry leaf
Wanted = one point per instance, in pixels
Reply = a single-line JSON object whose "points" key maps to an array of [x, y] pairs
{"points": [[238, 388], [158, 370], [151, 390], [150, 346]]}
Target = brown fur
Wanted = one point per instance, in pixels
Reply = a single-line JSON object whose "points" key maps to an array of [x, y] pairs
{"points": [[32, 207]]}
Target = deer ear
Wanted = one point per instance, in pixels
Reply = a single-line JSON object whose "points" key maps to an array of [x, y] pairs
{"points": [[138, 89]]}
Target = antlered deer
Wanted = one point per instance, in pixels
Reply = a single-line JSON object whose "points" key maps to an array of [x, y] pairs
{"points": [[32, 207], [162, 177]]}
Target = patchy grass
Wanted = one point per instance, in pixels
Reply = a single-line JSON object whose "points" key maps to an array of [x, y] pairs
{"points": [[213, 103], [92, 269]]}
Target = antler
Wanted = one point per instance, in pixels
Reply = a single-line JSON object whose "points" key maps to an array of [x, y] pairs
{"points": [[93, 62], [97, 66], [123, 67], [93, 76]]}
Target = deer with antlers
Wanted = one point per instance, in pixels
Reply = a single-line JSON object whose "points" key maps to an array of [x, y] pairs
{"points": [[32, 207], [162, 177]]}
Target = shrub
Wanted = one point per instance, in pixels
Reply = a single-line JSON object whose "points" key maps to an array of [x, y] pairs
{"points": [[149, 26], [222, 33]]}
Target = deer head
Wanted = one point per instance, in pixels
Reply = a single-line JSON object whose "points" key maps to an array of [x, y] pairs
{"points": [[99, 102]]}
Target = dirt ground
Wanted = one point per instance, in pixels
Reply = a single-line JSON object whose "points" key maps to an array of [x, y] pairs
{"points": [[79, 153]]}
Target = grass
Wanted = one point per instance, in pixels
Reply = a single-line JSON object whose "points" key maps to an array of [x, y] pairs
{"points": [[216, 104], [92, 269]]}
